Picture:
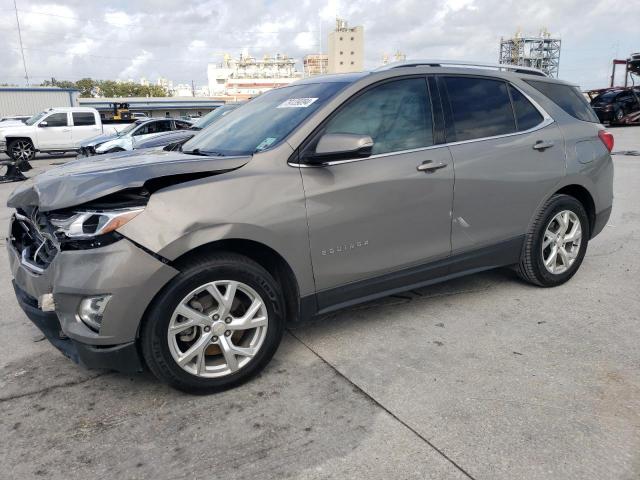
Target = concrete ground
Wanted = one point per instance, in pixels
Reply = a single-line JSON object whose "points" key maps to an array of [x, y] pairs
{"points": [[482, 377]]}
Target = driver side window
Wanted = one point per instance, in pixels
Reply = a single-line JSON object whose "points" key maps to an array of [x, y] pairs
{"points": [[396, 115], [56, 120]]}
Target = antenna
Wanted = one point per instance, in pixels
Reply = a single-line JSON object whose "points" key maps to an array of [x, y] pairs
{"points": [[24, 63]]}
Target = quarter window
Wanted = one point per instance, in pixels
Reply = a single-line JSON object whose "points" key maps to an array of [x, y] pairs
{"points": [[527, 116], [480, 108], [83, 119], [57, 120], [396, 115], [568, 98]]}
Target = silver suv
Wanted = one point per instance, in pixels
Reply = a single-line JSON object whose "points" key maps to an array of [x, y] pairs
{"points": [[332, 191]]}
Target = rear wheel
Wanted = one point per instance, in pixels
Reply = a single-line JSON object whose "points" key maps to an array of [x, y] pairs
{"points": [[556, 243], [619, 115], [214, 326], [21, 150]]}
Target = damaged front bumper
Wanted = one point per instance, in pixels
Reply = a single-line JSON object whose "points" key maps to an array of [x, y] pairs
{"points": [[128, 274]]}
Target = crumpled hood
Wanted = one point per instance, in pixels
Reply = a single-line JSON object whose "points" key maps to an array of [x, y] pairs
{"points": [[86, 179], [93, 141]]}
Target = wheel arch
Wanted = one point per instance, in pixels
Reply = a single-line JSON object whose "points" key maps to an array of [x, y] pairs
{"points": [[263, 255], [19, 137], [583, 195]]}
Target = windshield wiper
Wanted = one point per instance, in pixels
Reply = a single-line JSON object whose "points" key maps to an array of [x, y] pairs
{"points": [[197, 151]]}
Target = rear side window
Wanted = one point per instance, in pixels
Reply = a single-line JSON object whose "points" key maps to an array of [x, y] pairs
{"points": [[83, 118], [396, 115], [480, 108], [527, 116], [568, 98], [56, 120]]}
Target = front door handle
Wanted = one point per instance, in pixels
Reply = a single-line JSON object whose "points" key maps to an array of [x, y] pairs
{"points": [[429, 167], [541, 145]]}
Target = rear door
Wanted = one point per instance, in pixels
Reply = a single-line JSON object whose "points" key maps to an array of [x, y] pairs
{"points": [[507, 153], [54, 132], [84, 126], [379, 215]]}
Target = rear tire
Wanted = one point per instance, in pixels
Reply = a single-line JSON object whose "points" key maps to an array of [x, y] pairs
{"points": [[231, 349], [552, 251]]}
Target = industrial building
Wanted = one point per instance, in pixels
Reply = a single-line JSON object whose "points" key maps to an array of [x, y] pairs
{"points": [[541, 52], [246, 76], [32, 100], [315, 64], [174, 107], [346, 48]]}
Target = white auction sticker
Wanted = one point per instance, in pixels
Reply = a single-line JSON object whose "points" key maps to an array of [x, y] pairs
{"points": [[297, 102]]}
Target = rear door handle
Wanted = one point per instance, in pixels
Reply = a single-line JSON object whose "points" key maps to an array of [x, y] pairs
{"points": [[541, 145], [429, 167]]}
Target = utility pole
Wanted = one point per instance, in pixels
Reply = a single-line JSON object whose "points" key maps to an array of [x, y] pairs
{"points": [[193, 89], [24, 62]]}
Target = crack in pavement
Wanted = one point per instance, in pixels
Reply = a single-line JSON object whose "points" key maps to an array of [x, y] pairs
{"points": [[52, 387], [380, 405]]}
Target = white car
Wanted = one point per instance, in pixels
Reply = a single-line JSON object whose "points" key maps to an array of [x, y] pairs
{"points": [[128, 138], [54, 130]]}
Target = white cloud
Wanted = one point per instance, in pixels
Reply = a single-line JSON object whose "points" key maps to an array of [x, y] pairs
{"points": [[175, 39]]}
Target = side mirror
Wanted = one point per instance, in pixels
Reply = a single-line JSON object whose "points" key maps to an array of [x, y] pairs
{"points": [[43, 124], [340, 146]]}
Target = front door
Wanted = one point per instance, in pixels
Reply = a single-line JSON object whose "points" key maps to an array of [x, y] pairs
{"points": [[54, 132], [381, 214]]}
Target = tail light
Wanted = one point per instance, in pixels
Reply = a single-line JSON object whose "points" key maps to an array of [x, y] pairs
{"points": [[607, 139]]}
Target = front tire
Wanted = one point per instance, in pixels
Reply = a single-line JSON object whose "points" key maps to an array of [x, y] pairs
{"points": [[21, 150], [556, 243], [215, 325]]}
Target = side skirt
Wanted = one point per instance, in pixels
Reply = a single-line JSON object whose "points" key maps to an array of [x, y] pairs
{"points": [[486, 258]]}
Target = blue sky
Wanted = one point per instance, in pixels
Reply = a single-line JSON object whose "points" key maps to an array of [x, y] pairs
{"points": [[177, 38]]}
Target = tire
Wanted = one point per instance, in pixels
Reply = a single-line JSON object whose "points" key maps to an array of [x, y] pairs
{"points": [[115, 149], [21, 150], [532, 267], [619, 114], [162, 349]]}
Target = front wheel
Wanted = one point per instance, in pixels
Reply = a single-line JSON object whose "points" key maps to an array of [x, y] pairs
{"points": [[215, 325], [21, 150], [556, 242]]}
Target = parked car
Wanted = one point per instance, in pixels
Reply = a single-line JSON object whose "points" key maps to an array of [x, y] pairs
{"points": [[323, 194], [181, 136], [54, 130], [139, 115], [127, 138], [613, 105], [15, 120]]}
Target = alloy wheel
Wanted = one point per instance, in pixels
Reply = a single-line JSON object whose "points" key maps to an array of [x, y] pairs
{"points": [[22, 150], [217, 328], [561, 242]]}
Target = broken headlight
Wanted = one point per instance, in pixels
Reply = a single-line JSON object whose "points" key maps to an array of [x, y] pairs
{"points": [[92, 225]]}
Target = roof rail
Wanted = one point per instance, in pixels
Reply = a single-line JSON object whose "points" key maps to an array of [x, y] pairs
{"points": [[460, 63]]}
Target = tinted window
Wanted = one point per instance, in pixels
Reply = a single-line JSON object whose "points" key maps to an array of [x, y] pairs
{"points": [[56, 120], [264, 121], [83, 118], [480, 108], [527, 116], [154, 127], [396, 115], [182, 125], [568, 98]]}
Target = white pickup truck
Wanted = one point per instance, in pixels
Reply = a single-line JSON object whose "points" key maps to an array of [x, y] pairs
{"points": [[54, 130]]}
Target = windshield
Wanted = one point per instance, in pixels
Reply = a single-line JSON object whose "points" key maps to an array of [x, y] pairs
{"points": [[263, 122], [128, 129], [214, 115], [605, 97], [35, 118]]}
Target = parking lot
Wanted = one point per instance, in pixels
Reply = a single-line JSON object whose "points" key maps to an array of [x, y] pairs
{"points": [[483, 377]]}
